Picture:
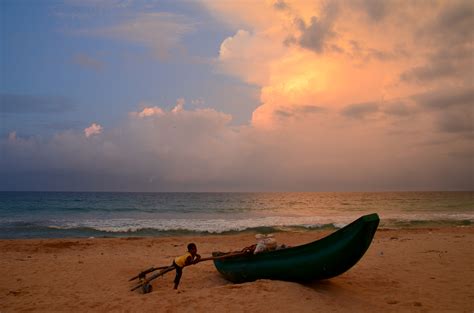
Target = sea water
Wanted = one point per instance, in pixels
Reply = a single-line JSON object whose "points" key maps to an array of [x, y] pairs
{"points": [[109, 214]]}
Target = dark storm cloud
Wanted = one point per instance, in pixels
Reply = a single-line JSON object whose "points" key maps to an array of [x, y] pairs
{"points": [[444, 63], [299, 111], [280, 5], [315, 35], [359, 51], [399, 108], [449, 36], [310, 109], [444, 98], [457, 122], [455, 24], [376, 10], [453, 109], [24, 104], [360, 110], [430, 72], [283, 114]]}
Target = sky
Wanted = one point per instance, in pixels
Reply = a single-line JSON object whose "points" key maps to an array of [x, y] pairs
{"points": [[207, 95]]}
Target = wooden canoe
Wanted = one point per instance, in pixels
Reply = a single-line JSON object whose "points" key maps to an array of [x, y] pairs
{"points": [[321, 259]]}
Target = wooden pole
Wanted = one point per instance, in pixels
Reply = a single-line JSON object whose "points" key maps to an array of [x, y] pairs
{"points": [[149, 270], [166, 269], [152, 277]]}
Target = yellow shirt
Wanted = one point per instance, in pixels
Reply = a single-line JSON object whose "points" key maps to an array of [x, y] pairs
{"points": [[181, 260]]}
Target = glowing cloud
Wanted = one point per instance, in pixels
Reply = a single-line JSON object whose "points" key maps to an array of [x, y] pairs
{"points": [[94, 129], [149, 111], [332, 55], [179, 106], [369, 95]]}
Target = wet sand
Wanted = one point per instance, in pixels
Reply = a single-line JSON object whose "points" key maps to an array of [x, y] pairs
{"points": [[407, 270]]}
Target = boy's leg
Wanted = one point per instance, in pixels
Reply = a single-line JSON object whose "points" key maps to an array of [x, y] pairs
{"points": [[179, 272]]}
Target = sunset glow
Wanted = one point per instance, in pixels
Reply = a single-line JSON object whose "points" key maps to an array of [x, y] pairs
{"points": [[241, 95]]}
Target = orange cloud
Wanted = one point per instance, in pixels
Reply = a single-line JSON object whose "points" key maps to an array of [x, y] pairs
{"points": [[331, 55], [94, 129], [368, 95], [149, 111]]}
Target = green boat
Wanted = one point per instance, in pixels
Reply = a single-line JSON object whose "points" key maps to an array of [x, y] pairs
{"points": [[320, 259]]}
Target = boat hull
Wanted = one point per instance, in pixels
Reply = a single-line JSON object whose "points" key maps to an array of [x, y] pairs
{"points": [[321, 259]]}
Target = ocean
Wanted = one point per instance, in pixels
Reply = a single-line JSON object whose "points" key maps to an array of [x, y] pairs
{"points": [[110, 214]]}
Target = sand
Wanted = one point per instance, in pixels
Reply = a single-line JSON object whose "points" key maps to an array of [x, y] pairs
{"points": [[411, 270]]}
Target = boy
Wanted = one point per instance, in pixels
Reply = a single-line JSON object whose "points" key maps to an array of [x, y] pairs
{"points": [[190, 257]]}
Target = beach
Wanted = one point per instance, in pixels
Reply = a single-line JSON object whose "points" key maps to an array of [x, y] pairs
{"points": [[404, 270]]}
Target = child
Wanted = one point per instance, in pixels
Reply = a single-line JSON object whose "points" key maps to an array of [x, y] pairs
{"points": [[190, 257]]}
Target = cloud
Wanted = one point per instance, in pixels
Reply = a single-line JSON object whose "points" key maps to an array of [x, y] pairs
{"points": [[446, 97], [87, 62], [149, 111], [365, 51], [199, 150], [446, 36], [400, 108], [320, 29], [159, 31], [299, 111], [453, 25], [375, 10], [97, 4], [281, 59], [198, 102], [452, 109], [245, 52], [251, 17], [179, 106], [310, 109], [82, 10], [12, 136], [442, 65], [457, 122], [280, 5], [358, 51], [360, 110], [94, 129], [320, 79], [33, 104], [429, 72], [177, 148]]}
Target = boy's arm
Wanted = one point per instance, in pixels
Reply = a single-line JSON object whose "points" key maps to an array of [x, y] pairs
{"points": [[191, 261]]}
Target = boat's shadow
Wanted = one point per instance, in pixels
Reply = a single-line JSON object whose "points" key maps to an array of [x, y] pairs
{"points": [[325, 286]]}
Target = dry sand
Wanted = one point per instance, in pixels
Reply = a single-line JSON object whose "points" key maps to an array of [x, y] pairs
{"points": [[422, 270]]}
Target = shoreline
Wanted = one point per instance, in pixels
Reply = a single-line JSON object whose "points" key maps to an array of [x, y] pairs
{"points": [[416, 270], [251, 231]]}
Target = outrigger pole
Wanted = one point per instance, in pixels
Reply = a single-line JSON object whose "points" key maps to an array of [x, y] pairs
{"points": [[144, 282]]}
